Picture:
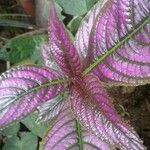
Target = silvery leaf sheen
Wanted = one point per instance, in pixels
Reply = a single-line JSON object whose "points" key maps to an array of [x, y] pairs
{"points": [[112, 46]]}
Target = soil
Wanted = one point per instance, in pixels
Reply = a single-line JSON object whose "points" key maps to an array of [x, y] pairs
{"points": [[133, 103]]}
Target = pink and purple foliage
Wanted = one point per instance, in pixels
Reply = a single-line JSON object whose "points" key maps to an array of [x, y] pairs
{"points": [[111, 47]]}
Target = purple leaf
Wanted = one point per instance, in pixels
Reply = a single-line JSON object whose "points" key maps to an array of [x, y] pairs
{"points": [[23, 88], [92, 107], [47, 58], [61, 47], [118, 41], [113, 43], [66, 133], [84, 31], [52, 108]]}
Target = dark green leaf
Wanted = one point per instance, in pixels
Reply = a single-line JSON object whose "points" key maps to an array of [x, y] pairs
{"points": [[76, 7], [74, 24], [31, 124], [11, 130], [22, 47], [46, 10], [27, 141], [3, 54]]}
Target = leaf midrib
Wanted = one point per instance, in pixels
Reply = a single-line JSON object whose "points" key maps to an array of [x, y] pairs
{"points": [[79, 133], [116, 46], [45, 84]]}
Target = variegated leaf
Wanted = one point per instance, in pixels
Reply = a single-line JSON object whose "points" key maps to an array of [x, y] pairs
{"points": [[92, 107], [84, 31], [61, 47], [67, 134], [118, 41], [23, 88], [47, 58], [52, 108]]}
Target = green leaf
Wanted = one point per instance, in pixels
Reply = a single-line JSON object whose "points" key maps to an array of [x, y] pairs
{"points": [[90, 3], [27, 141], [22, 47], [34, 127], [11, 130], [46, 10], [3, 54], [76, 7], [74, 24]]}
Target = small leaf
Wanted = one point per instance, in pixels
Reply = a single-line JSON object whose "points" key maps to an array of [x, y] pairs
{"points": [[66, 133], [36, 128], [23, 88], [52, 108], [74, 24], [76, 7], [23, 47], [61, 48], [92, 107], [27, 141], [11, 130], [47, 58], [46, 10], [4, 54]]}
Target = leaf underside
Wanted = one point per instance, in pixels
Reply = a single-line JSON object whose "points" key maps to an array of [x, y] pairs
{"points": [[115, 38], [23, 88]]}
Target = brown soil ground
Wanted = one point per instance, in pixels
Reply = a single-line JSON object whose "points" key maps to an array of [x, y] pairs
{"points": [[133, 103]]}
